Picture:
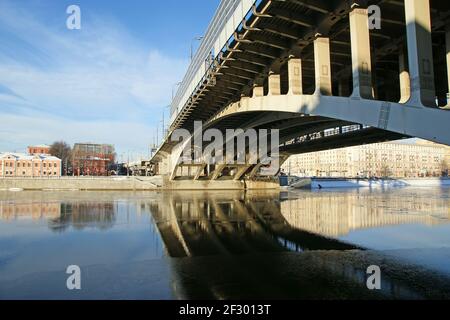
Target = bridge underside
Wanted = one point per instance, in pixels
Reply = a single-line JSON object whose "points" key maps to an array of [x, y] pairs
{"points": [[314, 70]]}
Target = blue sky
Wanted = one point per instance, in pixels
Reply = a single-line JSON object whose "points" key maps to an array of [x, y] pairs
{"points": [[106, 83]]}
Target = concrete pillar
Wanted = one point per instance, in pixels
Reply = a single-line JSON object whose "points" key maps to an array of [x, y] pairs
{"points": [[420, 52], [361, 55], [405, 81], [240, 172], [274, 84], [258, 91], [218, 171], [200, 170], [254, 171], [322, 63], [295, 75]]}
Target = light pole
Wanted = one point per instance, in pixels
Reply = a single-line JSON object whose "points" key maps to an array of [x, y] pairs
{"points": [[164, 131], [192, 45], [173, 93]]}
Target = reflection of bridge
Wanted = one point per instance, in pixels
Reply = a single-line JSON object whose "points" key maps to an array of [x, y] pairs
{"points": [[199, 225], [314, 70], [238, 247]]}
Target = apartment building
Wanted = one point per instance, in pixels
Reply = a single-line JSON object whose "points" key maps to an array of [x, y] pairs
{"points": [[393, 159]]}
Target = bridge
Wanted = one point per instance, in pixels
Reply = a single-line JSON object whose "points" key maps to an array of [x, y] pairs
{"points": [[326, 73]]}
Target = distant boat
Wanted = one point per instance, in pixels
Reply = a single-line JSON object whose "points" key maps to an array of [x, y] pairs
{"points": [[15, 189]]}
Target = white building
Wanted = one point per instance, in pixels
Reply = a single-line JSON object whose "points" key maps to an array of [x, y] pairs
{"points": [[393, 159], [24, 165]]}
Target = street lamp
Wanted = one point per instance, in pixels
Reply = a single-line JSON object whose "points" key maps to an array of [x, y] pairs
{"points": [[192, 45], [164, 131], [173, 93], [173, 89]]}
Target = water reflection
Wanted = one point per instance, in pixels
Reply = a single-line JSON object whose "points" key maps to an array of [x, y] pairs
{"points": [[62, 215], [29, 210], [335, 214], [224, 240], [84, 215], [226, 244]]}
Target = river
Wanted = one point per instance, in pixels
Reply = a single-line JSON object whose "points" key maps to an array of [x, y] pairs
{"points": [[226, 245]]}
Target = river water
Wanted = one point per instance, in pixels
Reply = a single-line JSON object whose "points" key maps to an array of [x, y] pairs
{"points": [[226, 245]]}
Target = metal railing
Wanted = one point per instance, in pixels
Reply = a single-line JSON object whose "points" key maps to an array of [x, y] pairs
{"points": [[227, 19]]}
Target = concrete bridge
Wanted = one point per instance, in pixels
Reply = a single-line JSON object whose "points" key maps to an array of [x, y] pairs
{"points": [[326, 74]]}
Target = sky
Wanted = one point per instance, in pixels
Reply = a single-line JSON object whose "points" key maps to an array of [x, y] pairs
{"points": [[108, 82]]}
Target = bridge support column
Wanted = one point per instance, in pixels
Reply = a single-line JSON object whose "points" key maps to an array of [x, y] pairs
{"points": [[258, 91], [420, 53], [241, 171], [361, 55], [322, 64], [405, 82], [218, 171], [200, 170], [295, 76], [254, 171], [274, 84]]}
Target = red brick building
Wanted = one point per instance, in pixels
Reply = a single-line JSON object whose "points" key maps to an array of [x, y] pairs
{"points": [[92, 159], [37, 150]]}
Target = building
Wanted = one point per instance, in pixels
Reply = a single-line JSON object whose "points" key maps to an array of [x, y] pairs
{"points": [[37, 150], [92, 159], [23, 165], [393, 159]]}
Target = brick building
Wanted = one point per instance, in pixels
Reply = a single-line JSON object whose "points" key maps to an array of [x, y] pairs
{"points": [[23, 165], [92, 159], [37, 150]]}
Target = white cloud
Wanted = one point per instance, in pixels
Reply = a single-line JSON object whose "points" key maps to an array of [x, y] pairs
{"points": [[19, 131], [91, 84]]}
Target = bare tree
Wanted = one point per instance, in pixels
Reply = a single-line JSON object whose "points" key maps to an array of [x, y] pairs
{"points": [[63, 151]]}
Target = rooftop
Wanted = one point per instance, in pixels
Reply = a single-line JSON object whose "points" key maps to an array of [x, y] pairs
{"points": [[23, 156]]}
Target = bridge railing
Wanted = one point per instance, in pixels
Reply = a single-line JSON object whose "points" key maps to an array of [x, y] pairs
{"points": [[228, 18]]}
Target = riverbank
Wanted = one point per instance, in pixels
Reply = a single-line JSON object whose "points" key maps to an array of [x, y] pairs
{"points": [[130, 184], [82, 183]]}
